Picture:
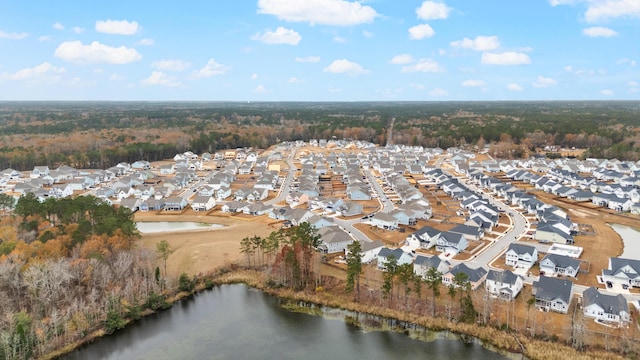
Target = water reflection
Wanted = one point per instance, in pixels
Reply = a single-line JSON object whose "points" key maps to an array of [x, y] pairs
{"points": [[235, 322]]}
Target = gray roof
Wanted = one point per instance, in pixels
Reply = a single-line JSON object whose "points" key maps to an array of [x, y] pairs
{"points": [[473, 274], [562, 261], [428, 261], [549, 289], [609, 303], [616, 264], [522, 248], [505, 276], [466, 230]]}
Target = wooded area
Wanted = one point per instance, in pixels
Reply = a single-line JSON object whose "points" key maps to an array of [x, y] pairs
{"points": [[100, 135], [69, 268]]}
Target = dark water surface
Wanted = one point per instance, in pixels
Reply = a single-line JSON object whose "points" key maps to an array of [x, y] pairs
{"points": [[237, 322]]}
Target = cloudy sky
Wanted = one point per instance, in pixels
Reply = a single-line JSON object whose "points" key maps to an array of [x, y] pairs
{"points": [[320, 50]]}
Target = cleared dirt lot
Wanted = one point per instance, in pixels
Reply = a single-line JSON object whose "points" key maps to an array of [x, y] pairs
{"points": [[201, 251]]}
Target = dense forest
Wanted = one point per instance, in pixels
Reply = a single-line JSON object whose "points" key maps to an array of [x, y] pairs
{"points": [[102, 134], [69, 268]]}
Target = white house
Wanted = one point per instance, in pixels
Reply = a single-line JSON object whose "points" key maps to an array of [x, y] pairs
{"points": [[553, 294], [559, 265], [451, 243], [423, 238], [384, 221], [333, 239], [622, 272], [605, 308], [475, 277], [504, 284], [401, 257], [521, 256], [422, 264], [203, 203]]}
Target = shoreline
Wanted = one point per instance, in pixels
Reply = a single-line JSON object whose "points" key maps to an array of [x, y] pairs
{"points": [[497, 340]]}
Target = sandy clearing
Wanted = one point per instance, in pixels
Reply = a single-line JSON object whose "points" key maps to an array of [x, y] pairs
{"points": [[201, 251]]}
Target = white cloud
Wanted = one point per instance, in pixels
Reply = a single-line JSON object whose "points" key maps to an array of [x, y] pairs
{"points": [[171, 65], [75, 51], [42, 71], [611, 9], [58, 26], [13, 35], [116, 77], [599, 31], [632, 83], [44, 38], [473, 83], [431, 10], [294, 80], [334, 89], [568, 68], [98, 71], [212, 68], [437, 92], [280, 36], [260, 89], [146, 42], [505, 58], [339, 39], [421, 31], [161, 79], [254, 76], [543, 82], [323, 12], [367, 34], [312, 59], [480, 43], [514, 87], [344, 66], [78, 29], [401, 59], [423, 65], [119, 27], [629, 62], [562, 2], [606, 92], [416, 86]]}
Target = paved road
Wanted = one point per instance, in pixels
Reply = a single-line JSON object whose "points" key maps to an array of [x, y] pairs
{"points": [[286, 185]]}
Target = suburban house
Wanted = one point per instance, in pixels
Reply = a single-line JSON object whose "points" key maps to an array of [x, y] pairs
{"points": [[174, 203], [401, 257], [384, 221], [422, 264], [475, 277], [553, 294], [605, 308], [521, 256], [469, 232], [370, 250], [423, 238], [451, 243], [203, 203], [622, 272], [504, 284], [333, 239], [547, 233], [559, 265]]}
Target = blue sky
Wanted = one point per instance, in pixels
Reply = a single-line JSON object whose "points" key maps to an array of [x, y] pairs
{"points": [[320, 50]]}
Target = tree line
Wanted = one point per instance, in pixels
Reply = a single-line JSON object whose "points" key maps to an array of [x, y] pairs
{"points": [[100, 135]]}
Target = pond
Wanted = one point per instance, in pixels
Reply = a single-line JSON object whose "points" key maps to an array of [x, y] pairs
{"points": [[150, 227], [238, 322], [631, 239]]}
